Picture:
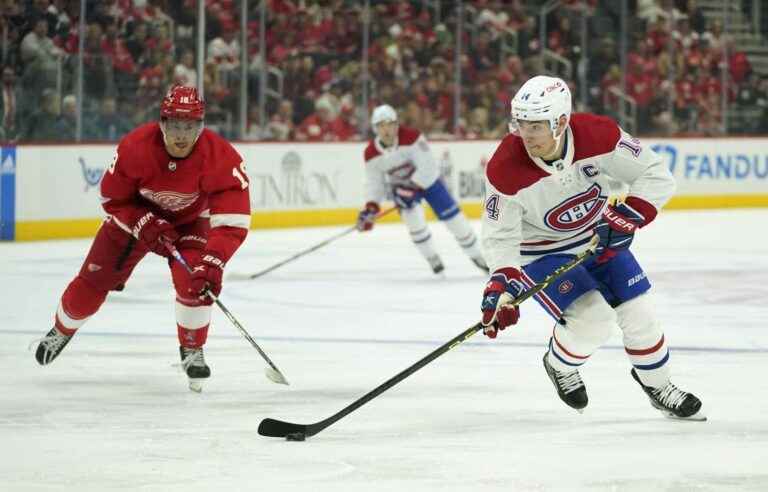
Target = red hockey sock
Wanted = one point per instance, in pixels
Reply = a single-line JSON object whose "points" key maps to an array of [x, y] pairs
{"points": [[63, 329], [192, 338]]}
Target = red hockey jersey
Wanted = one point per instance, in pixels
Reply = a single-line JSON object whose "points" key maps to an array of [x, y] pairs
{"points": [[211, 182]]}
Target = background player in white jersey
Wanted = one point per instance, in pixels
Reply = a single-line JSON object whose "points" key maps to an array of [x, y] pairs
{"points": [[547, 195], [398, 160]]}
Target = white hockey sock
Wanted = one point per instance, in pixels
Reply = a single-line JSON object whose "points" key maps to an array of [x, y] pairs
{"points": [[644, 341], [192, 317], [417, 227], [464, 235], [63, 319], [589, 323]]}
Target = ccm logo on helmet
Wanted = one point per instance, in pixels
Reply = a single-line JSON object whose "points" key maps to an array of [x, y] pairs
{"points": [[577, 211], [554, 86]]}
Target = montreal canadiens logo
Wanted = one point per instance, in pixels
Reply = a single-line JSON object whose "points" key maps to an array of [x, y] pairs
{"points": [[565, 287], [577, 211]]}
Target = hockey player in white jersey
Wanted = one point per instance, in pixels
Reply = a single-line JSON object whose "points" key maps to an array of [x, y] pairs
{"points": [[547, 190], [398, 160]]}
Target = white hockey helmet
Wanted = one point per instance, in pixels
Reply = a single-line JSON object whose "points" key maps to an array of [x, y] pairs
{"points": [[541, 98], [385, 112]]}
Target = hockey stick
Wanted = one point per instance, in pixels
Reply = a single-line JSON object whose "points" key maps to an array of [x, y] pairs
{"points": [[241, 276], [298, 432], [272, 372]]}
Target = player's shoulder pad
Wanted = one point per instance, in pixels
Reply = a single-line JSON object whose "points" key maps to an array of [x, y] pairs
{"points": [[370, 151], [511, 168], [593, 135], [407, 136], [218, 150]]}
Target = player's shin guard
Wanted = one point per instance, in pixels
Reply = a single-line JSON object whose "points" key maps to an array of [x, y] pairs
{"points": [[421, 237], [589, 322], [192, 323], [644, 341], [78, 303]]}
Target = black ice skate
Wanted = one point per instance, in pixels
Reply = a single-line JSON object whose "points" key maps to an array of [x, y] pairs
{"points": [[570, 388], [193, 363], [51, 346], [480, 263], [436, 264], [672, 402]]}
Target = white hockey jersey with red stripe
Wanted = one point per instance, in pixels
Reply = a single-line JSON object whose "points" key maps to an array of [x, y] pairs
{"points": [[408, 162], [534, 208]]}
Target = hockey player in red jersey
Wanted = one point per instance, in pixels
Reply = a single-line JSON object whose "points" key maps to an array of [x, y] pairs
{"points": [[547, 188], [175, 182], [398, 161]]}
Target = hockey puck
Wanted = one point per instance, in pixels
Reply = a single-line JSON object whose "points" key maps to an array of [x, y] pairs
{"points": [[295, 436]]}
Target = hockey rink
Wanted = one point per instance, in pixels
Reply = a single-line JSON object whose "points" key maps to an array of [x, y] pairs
{"points": [[111, 413]]}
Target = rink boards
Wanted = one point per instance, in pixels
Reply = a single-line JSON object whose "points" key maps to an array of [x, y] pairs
{"points": [[52, 191]]}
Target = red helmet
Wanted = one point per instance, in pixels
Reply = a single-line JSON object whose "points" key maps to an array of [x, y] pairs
{"points": [[184, 103]]}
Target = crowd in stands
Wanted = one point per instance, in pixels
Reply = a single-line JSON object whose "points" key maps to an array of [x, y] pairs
{"points": [[680, 65]]}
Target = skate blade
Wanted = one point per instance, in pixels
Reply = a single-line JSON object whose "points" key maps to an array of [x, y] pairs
{"points": [[696, 417], [196, 385]]}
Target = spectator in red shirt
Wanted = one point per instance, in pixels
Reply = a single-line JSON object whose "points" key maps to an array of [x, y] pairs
{"points": [[317, 127], [738, 63]]}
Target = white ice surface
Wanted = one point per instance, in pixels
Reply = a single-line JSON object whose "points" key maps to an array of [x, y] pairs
{"points": [[112, 414]]}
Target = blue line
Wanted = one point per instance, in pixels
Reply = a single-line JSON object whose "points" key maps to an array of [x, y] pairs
{"points": [[375, 341]]}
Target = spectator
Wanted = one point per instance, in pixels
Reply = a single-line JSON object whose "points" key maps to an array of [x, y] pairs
{"points": [[715, 36], [109, 125], [738, 63], [138, 41], [37, 46], [684, 36], [224, 50], [281, 125], [695, 16], [185, 72], [640, 86], [9, 104], [43, 123], [324, 126], [97, 72], [66, 125]]}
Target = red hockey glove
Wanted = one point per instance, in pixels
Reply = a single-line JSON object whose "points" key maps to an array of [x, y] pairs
{"points": [[154, 232], [500, 291], [367, 216], [207, 276]]}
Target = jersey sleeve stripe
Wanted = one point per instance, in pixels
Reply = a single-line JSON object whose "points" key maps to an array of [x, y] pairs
{"points": [[231, 220]]}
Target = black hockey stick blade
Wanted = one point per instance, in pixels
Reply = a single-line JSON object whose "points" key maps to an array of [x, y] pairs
{"points": [[278, 428]]}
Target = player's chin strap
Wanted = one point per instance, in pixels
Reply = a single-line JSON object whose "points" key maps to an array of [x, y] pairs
{"points": [[559, 138]]}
